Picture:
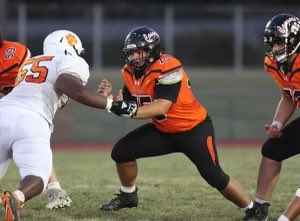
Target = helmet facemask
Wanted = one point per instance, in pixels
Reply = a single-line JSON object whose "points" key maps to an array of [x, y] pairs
{"points": [[272, 44], [137, 58]]}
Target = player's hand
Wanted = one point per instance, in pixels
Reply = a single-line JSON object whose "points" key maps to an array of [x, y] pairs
{"points": [[125, 108], [119, 96], [273, 131], [105, 88]]}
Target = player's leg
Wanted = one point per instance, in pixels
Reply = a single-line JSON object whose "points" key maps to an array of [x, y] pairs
{"points": [[274, 151], [145, 141], [293, 209], [4, 162], [57, 197], [33, 157], [6, 138], [5, 154], [199, 146], [236, 194], [268, 175]]}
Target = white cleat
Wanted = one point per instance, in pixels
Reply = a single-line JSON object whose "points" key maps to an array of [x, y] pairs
{"points": [[58, 198]]}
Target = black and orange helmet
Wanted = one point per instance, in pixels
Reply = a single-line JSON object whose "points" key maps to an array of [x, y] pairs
{"points": [[282, 29], [142, 38]]}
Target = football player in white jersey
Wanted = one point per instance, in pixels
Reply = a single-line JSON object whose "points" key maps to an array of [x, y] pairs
{"points": [[12, 56], [44, 85]]}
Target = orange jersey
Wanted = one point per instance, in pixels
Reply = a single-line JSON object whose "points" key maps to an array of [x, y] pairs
{"points": [[185, 111], [290, 81], [12, 56]]}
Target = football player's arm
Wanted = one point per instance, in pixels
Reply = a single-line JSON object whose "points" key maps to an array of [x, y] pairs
{"points": [[165, 94], [286, 107], [153, 109], [73, 88]]}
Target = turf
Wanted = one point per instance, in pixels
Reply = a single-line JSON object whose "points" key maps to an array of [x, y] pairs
{"points": [[170, 188]]}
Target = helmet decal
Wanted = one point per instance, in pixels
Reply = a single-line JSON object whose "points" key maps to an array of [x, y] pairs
{"points": [[286, 23], [71, 39], [295, 28], [150, 37]]}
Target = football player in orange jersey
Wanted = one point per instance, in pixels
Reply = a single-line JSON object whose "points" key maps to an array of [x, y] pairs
{"points": [[179, 123], [282, 61], [12, 57]]}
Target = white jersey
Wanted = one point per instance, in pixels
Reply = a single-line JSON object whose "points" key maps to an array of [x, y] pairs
{"points": [[36, 91]]}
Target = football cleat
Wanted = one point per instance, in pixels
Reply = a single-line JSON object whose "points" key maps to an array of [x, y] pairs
{"points": [[122, 200], [58, 198], [259, 212], [12, 206]]}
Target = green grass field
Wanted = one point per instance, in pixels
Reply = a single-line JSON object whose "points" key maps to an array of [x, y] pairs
{"points": [[170, 188]]}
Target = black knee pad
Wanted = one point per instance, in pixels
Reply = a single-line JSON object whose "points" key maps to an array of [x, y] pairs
{"points": [[220, 182], [215, 177], [271, 150], [121, 153]]}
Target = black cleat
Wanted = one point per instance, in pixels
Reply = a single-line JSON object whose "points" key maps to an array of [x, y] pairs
{"points": [[122, 200], [259, 212]]}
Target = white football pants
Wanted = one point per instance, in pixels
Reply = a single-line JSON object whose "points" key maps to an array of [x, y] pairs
{"points": [[25, 137]]}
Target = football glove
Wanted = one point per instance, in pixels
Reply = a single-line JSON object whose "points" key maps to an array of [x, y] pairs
{"points": [[125, 108]]}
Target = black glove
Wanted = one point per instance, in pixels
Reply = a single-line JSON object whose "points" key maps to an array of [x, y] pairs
{"points": [[126, 108]]}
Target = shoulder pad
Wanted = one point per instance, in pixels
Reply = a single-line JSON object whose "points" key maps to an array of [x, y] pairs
{"points": [[171, 78]]}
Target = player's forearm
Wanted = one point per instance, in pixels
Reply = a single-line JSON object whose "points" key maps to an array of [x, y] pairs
{"points": [[154, 109], [285, 110], [73, 88], [146, 112], [90, 98]]}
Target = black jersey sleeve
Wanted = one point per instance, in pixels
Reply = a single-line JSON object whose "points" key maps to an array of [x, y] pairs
{"points": [[168, 92], [126, 93]]}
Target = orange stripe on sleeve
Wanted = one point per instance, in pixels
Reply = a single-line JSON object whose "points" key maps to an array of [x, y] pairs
{"points": [[211, 148]]}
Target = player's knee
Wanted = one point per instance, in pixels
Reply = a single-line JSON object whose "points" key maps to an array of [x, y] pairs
{"points": [[218, 179], [267, 150], [43, 175], [221, 182], [120, 153], [115, 155]]}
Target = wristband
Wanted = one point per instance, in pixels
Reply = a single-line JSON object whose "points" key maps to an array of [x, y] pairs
{"points": [[277, 123], [298, 192], [108, 104]]}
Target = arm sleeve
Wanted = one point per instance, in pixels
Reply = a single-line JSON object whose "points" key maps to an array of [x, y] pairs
{"points": [[126, 93], [168, 92]]}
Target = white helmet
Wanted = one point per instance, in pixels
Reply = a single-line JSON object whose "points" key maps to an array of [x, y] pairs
{"points": [[63, 42]]}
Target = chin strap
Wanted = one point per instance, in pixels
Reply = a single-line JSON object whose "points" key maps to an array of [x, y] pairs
{"points": [[284, 67]]}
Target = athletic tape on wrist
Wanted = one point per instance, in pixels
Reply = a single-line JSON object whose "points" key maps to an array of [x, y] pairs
{"points": [[298, 192], [108, 104], [277, 123]]}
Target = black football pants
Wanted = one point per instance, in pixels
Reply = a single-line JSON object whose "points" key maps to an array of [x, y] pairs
{"points": [[198, 145], [286, 146]]}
